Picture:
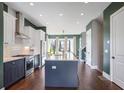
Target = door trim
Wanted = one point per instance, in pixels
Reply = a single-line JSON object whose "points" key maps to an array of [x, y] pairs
{"points": [[111, 40], [87, 32]]}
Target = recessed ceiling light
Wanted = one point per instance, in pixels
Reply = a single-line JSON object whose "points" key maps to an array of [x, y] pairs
{"points": [[61, 14], [77, 22], [41, 15], [82, 14], [31, 4], [85, 2], [47, 23]]}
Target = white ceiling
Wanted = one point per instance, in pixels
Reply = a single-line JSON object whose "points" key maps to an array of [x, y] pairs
{"points": [[71, 22]]}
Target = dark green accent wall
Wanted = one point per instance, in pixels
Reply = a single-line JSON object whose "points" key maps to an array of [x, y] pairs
{"points": [[44, 28], [69, 36], [82, 52], [113, 7], [77, 44], [28, 23], [1, 45], [5, 7], [62, 36], [89, 26]]}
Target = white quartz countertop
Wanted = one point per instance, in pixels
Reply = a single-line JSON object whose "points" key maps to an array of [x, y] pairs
{"points": [[8, 59]]}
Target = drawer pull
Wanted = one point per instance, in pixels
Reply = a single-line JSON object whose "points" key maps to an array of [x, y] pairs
{"points": [[13, 63]]}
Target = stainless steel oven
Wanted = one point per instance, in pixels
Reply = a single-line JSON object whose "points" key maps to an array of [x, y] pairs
{"points": [[29, 65]]}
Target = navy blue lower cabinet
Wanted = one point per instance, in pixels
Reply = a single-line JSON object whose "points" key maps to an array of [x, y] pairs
{"points": [[8, 74], [60, 73], [13, 71], [20, 69]]}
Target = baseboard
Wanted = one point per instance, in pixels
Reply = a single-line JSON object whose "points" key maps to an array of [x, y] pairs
{"points": [[2, 88], [81, 60], [106, 75], [93, 67], [99, 70]]}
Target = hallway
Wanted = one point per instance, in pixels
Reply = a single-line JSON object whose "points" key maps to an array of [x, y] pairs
{"points": [[88, 80]]}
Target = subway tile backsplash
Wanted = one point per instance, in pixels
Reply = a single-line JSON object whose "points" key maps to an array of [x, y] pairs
{"points": [[10, 50]]}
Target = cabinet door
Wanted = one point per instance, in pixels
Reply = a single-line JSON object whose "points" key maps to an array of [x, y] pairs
{"points": [[9, 29], [20, 69], [30, 32], [9, 74], [13, 71], [32, 36], [37, 41], [43, 35], [5, 28], [13, 30], [26, 42]]}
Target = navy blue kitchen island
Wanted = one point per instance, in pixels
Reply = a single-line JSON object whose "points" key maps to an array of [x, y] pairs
{"points": [[61, 73]]}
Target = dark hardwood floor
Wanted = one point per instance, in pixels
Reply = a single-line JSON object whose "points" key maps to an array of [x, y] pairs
{"points": [[88, 80]]}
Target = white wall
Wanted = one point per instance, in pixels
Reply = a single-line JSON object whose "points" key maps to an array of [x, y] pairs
{"points": [[83, 39], [11, 11], [97, 44]]}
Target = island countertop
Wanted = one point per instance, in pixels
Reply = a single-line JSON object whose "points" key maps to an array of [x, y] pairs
{"points": [[61, 59]]}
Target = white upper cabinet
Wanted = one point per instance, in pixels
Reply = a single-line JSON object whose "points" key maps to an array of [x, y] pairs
{"points": [[34, 36], [29, 31], [9, 28], [37, 41], [42, 35]]}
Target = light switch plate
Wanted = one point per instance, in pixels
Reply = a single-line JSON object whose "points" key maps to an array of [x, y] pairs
{"points": [[106, 51], [53, 67], [108, 42]]}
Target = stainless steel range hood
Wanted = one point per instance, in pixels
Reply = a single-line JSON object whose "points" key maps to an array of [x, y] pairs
{"points": [[20, 26]]}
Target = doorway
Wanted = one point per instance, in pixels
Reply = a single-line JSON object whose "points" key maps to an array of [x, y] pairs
{"points": [[117, 47]]}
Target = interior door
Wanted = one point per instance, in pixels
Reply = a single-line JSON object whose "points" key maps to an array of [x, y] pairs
{"points": [[88, 47], [117, 53]]}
